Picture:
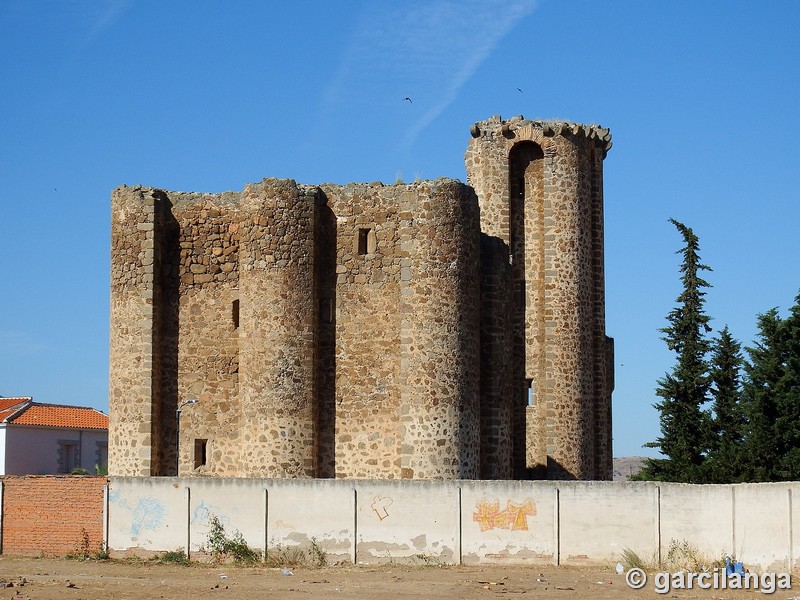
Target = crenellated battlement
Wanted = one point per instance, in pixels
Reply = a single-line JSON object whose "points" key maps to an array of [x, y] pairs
{"points": [[520, 127]]}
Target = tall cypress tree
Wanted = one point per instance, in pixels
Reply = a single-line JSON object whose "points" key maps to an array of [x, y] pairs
{"points": [[685, 425], [764, 372], [772, 398], [728, 424], [788, 424]]}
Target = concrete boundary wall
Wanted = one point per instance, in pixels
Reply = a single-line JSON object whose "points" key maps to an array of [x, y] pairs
{"points": [[453, 522]]}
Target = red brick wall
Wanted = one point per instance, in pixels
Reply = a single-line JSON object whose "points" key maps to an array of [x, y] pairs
{"points": [[48, 514]]}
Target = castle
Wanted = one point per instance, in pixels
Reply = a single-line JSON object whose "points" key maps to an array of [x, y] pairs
{"points": [[432, 330]]}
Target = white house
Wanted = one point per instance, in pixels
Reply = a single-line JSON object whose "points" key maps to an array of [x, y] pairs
{"points": [[39, 439]]}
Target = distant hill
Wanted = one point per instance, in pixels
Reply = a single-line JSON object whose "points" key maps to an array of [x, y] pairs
{"points": [[626, 466]]}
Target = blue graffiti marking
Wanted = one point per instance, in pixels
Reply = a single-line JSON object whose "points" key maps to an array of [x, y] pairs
{"points": [[203, 513], [148, 515]]}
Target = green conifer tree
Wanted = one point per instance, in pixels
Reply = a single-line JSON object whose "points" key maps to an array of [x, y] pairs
{"points": [[724, 461], [772, 398], [685, 424], [764, 371]]}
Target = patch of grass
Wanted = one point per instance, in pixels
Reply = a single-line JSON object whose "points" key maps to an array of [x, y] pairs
{"points": [[297, 556], [631, 560], [174, 557], [681, 555], [427, 560], [286, 556]]}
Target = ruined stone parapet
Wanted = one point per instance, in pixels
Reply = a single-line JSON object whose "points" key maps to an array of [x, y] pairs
{"points": [[522, 128], [277, 330]]}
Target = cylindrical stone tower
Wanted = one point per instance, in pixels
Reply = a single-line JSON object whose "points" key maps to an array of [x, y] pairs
{"points": [[439, 335], [539, 185], [277, 324]]}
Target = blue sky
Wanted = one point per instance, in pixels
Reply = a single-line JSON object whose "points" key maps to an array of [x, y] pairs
{"points": [[701, 98]]}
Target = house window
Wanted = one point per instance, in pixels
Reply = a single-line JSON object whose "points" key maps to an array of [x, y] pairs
{"points": [[68, 455], [200, 453], [101, 458], [235, 314]]}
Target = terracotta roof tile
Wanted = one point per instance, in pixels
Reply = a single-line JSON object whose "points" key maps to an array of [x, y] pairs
{"points": [[61, 415], [9, 406]]}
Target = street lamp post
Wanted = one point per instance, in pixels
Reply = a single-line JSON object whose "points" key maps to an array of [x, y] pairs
{"points": [[178, 434]]}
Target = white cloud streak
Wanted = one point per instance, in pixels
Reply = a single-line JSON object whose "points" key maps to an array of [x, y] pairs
{"points": [[104, 15], [426, 50]]}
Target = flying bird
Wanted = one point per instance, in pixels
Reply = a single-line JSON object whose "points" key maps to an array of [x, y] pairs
{"points": [[409, 99], [519, 90]]}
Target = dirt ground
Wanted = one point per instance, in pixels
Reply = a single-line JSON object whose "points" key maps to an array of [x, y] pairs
{"points": [[62, 579]]}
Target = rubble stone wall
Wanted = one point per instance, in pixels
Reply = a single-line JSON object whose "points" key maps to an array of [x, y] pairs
{"points": [[540, 190], [370, 330]]}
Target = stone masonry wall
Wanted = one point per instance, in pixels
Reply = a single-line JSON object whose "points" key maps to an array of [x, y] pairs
{"points": [[131, 413], [557, 235], [278, 323], [406, 330], [497, 386], [370, 331], [206, 339]]}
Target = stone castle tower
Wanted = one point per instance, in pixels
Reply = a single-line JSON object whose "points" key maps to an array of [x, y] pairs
{"points": [[431, 330]]}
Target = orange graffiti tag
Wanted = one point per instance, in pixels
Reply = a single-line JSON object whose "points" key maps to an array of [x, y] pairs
{"points": [[380, 507], [514, 517]]}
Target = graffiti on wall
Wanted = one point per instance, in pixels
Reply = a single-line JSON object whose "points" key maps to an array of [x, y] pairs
{"points": [[203, 513], [514, 516], [147, 513], [380, 506]]}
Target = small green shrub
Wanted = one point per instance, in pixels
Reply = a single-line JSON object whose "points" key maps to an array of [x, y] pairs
{"points": [[102, 552], [682, 555], [317, 555], [631, 560], [82, 550], [224, 548], [174, 557]]}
